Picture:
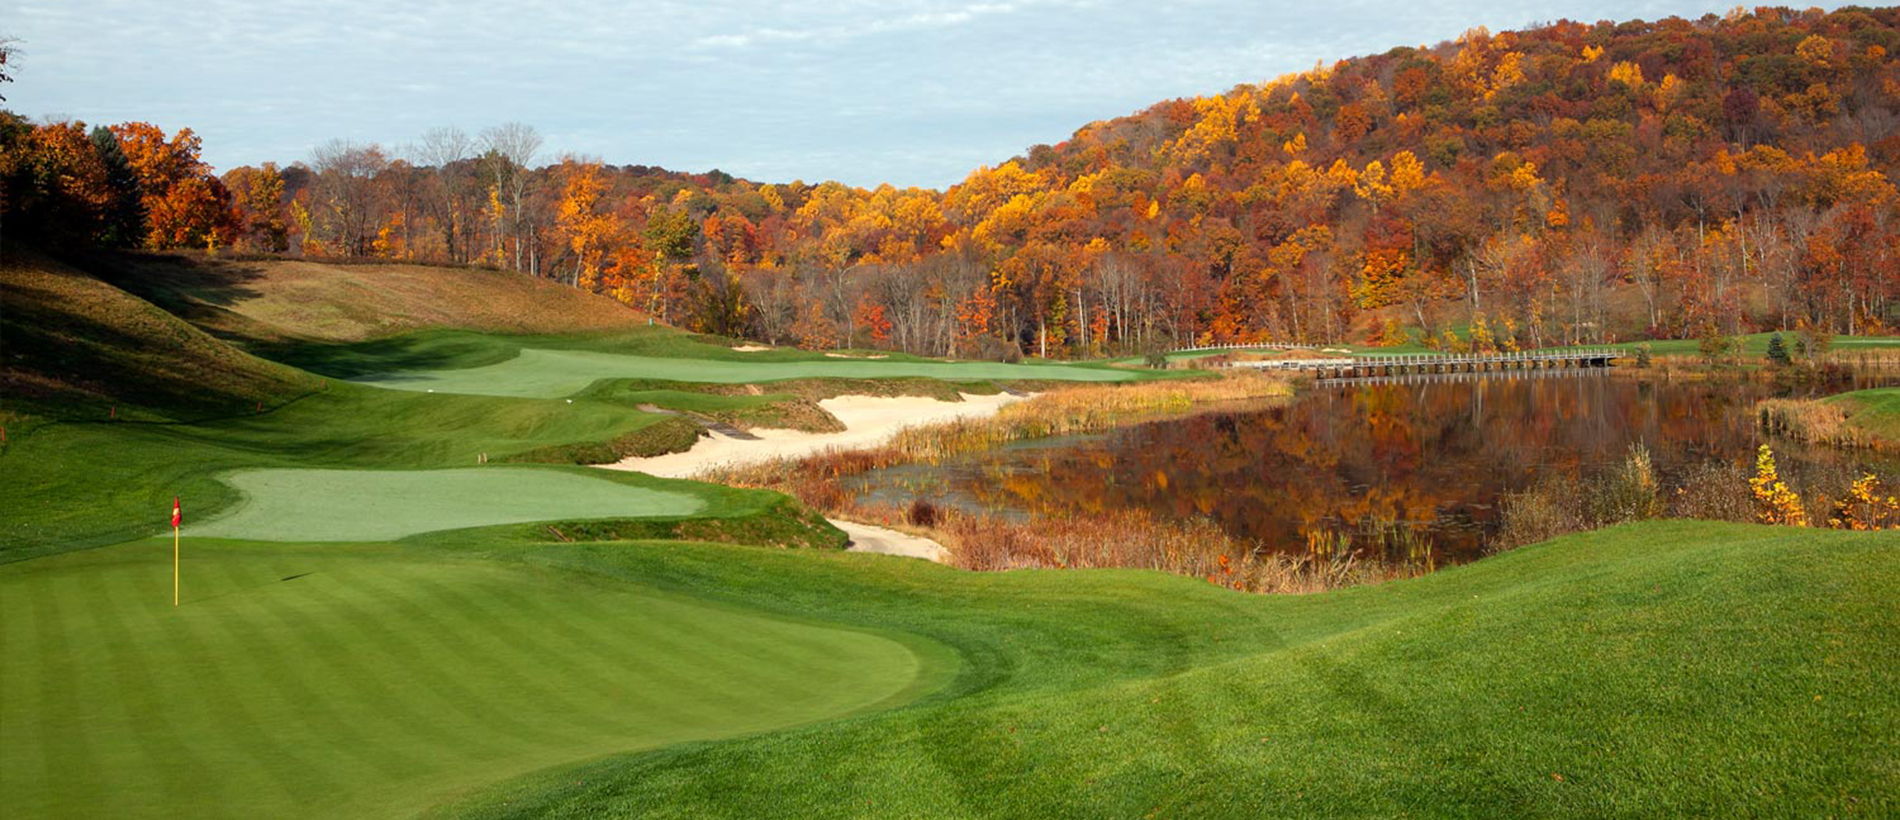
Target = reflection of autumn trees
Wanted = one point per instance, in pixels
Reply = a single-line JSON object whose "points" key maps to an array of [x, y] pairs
{"points": [[1436, 454]]}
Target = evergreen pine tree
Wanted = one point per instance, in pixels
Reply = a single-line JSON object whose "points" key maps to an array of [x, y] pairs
{"points": [[125, 217], [1777, 351]]}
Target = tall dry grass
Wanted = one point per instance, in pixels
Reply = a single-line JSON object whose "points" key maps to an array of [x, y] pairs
{"points": [[1134, 539], [1813, 421]]}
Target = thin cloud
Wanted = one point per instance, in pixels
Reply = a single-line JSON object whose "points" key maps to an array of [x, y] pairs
{"points": [[910, 92]]}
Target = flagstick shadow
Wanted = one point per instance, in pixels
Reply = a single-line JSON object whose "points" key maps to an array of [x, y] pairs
{"points": [[239, 590]]}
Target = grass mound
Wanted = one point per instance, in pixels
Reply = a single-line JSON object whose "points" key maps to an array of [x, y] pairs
{"points": [[1654, 670], [77, 347], [276, 300]]}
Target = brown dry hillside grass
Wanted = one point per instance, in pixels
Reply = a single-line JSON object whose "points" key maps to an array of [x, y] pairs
{"points": [[273, 300], [76, 346]]}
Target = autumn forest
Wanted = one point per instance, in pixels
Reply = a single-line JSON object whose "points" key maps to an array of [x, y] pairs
{"points": [[1570, 183]]}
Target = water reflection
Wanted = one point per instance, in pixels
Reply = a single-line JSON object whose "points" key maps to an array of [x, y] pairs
{"points": [[1436, 452]]}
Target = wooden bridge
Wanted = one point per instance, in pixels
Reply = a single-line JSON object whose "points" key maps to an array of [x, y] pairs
{"points": [[1405, 364]]}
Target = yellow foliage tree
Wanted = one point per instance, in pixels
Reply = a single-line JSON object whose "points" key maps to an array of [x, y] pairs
{"points": [[1864, 508], [1816, 51], [1774, 502], [1628, 73], [1408, 174]]}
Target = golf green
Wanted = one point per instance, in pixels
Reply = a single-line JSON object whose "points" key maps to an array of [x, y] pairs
{"points": [[552, 373], [381, 505], [352, 681]]}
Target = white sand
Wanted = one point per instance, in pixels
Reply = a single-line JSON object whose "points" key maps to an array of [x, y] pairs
{"points": [[751, 348], [868, 421], [885, 541], [855, 356]]}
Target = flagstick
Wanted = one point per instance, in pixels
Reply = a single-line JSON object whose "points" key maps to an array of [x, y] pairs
{"points": [[174, 566]]}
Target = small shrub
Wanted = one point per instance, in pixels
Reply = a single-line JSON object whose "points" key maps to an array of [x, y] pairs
{"points": [[1713, 491], [1642, 356], [999, 349], [922, 513], [1774, 502], [1712, 345], [1815, 341], [1156, 354], [1540, 512], [1629, 492], [1864, 508]]}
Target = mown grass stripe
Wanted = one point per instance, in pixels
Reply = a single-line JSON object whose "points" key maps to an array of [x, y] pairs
{"points": [[151, 731], [318, 724], [494, 681], [379, 660], [251, 690], [508, 632]]}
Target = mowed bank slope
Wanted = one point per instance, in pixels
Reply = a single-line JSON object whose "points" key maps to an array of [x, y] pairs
{"points": [[1664, 669], [276, 300], [80, 348]]}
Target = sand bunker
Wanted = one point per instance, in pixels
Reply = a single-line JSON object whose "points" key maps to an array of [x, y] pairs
{"points": [[868, 421], [886, 541], [751, 348]]}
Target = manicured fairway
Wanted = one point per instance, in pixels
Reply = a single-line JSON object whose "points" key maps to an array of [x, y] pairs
{"points": [[342, 681], [381, 505], [542, 373]]}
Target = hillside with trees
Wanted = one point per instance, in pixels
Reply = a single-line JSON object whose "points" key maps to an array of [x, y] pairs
{"points": [[1575, 182]]}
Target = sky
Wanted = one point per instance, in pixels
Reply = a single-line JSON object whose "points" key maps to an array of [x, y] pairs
{"points": [[910, 92]]}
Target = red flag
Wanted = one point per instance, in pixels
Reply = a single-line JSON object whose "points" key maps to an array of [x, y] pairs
{"points": [[175, 515]]}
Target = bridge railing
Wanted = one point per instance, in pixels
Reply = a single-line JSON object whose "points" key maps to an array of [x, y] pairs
{"points": [[1437, 359]]}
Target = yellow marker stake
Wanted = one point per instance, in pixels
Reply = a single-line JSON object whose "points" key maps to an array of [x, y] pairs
{"points": [[177, 518]]}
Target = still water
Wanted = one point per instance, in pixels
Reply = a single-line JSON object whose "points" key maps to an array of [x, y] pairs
{"points": [[1434, 453]]}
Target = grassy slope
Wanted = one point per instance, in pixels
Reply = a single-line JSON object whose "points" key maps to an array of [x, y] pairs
{"points": [[86, 484], [1877, 411], [290, 299], [77, 347], [1664, 669]]}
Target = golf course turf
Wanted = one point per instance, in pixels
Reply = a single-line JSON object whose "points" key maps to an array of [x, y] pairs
{"points": [[402, 660], [554, 373], [332, 681], [380, 505]]}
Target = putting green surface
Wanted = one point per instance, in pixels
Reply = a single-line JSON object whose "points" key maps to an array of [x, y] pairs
{"points": [[347, 681], [551, 373], [380, 505]]}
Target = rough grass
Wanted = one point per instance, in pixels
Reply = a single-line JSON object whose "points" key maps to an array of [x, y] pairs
{"points": [[274, 300], [79, 348]]}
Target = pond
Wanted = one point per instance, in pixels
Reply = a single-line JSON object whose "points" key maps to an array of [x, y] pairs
{"points": [[1432, 454]]}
